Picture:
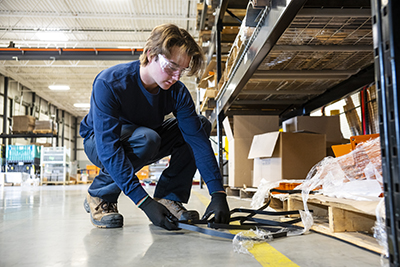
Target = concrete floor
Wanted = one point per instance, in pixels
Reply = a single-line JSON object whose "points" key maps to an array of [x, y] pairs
{"points": [[47, 226]]}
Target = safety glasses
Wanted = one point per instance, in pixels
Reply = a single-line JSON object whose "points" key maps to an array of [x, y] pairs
{"points": [[171, 68]]}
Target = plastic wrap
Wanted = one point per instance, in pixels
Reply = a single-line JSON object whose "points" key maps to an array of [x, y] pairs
{"points": [[380, 231], [264, 188], [356, 175], [244, 241], [262, 192]]}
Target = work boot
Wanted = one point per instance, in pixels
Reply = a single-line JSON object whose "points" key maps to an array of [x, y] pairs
{"points": [[178, 210], [103, 214]]}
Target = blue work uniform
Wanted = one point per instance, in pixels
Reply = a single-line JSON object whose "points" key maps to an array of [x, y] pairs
{"points": [[125, 130]]}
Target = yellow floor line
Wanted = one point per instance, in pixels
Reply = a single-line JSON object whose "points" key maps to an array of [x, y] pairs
{"points": [[264, 253]]}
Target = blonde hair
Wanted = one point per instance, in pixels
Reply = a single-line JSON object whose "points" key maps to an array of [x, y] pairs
{"points": [[164, 37]]}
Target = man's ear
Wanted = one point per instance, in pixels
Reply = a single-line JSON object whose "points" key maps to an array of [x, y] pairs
{"points": [[149, 58]]}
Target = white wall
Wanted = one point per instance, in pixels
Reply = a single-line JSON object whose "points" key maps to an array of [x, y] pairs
{"points": [[21, 99]]}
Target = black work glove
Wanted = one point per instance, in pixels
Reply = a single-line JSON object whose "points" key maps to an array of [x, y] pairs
{"points": [[158, 214], [218, 206]]}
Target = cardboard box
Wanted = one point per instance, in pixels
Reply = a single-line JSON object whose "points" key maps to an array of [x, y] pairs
{"points": [[239, 142], [23, 123], [45, 127], [328, 125], [280, 156]]}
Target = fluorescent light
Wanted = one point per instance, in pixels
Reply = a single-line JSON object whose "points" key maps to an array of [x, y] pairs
{"points": [[55, 36], [59, 87], [82, 105]]}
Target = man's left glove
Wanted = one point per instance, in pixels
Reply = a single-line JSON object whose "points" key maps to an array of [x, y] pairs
{"points": [[218, 206]]}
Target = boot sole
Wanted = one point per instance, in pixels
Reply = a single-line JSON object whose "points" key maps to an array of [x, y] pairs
{"points": [[113, 223]]}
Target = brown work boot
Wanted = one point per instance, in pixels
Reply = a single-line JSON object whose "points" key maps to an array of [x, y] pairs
{"points": [[103, 214], [178, 210]]}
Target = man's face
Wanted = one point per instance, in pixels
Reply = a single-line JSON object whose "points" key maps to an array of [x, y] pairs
{"points": [[167, 71]]}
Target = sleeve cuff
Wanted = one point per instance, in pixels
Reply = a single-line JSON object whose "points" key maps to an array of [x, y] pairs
{"points": [[214, 186], [138, 194]]}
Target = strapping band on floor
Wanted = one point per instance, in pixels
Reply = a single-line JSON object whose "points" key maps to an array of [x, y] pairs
{"points": [[277, 229]]}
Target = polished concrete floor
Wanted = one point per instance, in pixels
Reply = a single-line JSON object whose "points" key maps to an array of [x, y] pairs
{"points": [[47, 226]]}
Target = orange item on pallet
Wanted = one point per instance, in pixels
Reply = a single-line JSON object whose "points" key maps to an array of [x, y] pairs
{"points": [[286, 186]]}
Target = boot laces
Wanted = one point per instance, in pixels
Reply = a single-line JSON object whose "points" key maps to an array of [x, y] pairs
{"points": [[108, 207]]}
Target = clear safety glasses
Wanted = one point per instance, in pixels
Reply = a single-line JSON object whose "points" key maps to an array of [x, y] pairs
{"points": [[171, 68]]}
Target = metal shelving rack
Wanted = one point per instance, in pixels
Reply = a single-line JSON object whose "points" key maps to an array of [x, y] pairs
{"points": [[286, 28], [276, 24], [387, 61], [54, 165], [374, 51]]}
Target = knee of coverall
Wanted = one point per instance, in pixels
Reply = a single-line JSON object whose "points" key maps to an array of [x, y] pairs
{"points": [[144, 142]]}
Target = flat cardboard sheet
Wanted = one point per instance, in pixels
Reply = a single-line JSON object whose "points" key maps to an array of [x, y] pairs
{"points": [[263, 145]]}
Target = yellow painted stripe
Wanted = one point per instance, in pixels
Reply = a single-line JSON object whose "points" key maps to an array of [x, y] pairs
{"points": [[203, 199], [264, 253]]}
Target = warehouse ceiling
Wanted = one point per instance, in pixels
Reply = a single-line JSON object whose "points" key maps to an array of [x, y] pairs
{"points": [[80, 28]]}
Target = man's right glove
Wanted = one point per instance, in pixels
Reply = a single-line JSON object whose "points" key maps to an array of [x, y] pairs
{"points": [[158, 214], [218, 206]]}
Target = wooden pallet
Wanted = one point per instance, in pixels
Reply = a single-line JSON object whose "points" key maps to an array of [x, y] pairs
{"points": [[45, 131], [84, 182], [58, 182], [241, 192], [345, 219]]}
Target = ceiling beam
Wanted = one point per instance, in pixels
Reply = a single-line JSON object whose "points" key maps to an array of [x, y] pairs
{"points": [[20, 42], [69, 54], [82, 15]]}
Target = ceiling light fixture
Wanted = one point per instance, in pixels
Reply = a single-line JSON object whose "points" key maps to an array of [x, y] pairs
{"points": [[55, 36], [59, 87], [82, 105]]}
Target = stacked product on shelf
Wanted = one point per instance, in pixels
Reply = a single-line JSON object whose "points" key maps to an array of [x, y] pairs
{"points": [[45, 126], [55, 162], [21, 159], [23, 124]]}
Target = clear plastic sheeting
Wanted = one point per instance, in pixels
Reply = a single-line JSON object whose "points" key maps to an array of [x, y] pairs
{"points": [[356, 175], [244, 241], [380, 231], [263, 191]]}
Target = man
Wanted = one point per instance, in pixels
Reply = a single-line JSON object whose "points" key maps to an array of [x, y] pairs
{"points": [[125, 130]]}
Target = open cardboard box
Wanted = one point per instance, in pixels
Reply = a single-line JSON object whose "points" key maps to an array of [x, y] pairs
{"points": [[239, 142], [285, 156]]}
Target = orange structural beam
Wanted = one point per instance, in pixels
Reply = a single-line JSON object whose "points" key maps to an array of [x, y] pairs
{"points": [[70, 53]]}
